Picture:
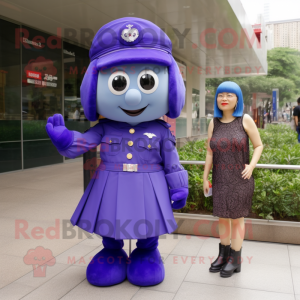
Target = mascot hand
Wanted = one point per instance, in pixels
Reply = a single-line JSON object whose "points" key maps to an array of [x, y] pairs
{"points": [[61, 137], [179, 197]]}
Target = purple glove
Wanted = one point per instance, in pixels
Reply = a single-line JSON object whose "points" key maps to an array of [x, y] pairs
{"points": [[179, 196], [61, 137]]}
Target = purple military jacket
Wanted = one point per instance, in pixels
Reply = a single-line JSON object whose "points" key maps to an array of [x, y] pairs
{"points": [[129, 205]]}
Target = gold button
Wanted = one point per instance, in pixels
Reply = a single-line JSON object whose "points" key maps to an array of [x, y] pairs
{"points": [[131, 130], [110, 141], [129, 156], [149, 146], [130, 143]]}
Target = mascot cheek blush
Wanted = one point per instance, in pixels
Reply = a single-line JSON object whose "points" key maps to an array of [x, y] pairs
{"points": [[132, 80]]}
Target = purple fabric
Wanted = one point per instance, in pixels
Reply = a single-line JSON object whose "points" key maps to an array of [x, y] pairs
{"points": [[61, 137], [133, 56], [88, 92], [109, 37], [116, 167], [179, 196], [109, 49], [106, 207], [149, 243], [83, 142], [110, 243], [170, 155], [179, 204], [146, 267], [176, 91], [108, 267], [177, 179]]}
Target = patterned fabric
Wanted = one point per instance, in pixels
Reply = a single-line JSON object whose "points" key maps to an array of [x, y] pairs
{"points": [[232, 194]]}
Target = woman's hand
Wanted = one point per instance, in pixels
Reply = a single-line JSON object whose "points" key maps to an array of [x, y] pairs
{"points": [[206, 186], [247, 172]]}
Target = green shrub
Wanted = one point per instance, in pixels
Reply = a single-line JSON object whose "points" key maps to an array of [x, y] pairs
{"points": [[277, 191]]}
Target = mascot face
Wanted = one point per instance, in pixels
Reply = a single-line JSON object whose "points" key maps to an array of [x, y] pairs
{"points": [[133, 93]]}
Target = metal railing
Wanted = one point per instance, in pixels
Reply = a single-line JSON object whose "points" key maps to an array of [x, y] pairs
{"points": [[260, 166]]}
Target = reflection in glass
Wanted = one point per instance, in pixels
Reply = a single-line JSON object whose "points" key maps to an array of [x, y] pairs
{"points": [[76, 61], [41, 94], [10, 99], [40, 153]]}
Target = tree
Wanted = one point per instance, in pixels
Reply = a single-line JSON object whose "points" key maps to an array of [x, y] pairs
{"points": [[283, 73], [285, 62]]}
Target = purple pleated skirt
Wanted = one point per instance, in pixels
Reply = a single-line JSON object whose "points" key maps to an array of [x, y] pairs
{"points": [[126, 205]]}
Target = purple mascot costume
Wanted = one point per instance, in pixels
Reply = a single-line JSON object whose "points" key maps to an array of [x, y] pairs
{"points": [[132, 81]]}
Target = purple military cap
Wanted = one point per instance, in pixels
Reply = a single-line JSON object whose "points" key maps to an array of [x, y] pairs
{"points": [[127, 41], [130, 40]]}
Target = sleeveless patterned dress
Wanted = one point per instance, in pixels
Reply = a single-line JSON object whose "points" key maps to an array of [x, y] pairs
{"points": [[232, 194]]}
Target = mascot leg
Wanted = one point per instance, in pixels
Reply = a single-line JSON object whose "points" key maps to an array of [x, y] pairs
{"points": [[146, 267], [108, 267]]}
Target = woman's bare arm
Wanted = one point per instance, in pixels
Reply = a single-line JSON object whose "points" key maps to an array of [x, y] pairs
{"points": [[254, 136], [209, 153]]}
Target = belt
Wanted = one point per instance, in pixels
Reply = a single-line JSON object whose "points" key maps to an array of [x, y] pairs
{"points": [[119, 167]]}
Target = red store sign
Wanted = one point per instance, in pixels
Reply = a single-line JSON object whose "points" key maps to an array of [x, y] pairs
{"points": [[32, 74]]}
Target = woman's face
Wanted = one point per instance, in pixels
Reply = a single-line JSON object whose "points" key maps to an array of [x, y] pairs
{"points": [[227, 101]]}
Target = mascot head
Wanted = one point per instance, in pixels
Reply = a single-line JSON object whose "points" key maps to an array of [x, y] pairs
{"points": [[132, 76]]}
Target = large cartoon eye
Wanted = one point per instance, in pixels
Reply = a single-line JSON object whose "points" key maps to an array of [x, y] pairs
{"points": [[118, 82], [147, 81]]}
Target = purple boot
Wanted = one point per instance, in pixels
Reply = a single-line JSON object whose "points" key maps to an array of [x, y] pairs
{"points": [[145, 266], [108, 267]]}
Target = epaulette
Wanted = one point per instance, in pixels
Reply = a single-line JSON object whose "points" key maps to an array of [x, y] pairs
{"points": [[164, 123], [171, 137]]}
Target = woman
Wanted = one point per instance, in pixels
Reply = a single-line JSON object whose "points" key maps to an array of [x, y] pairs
{"points": [[232, 180]]}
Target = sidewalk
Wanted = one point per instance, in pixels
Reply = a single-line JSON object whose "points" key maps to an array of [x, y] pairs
{"points": [[32, 200]]}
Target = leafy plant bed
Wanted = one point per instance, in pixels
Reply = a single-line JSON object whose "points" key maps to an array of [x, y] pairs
{"points": [[277, 191]]}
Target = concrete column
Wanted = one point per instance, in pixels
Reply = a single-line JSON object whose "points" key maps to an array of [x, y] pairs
{"points": [[202, 96], [202, 105]]}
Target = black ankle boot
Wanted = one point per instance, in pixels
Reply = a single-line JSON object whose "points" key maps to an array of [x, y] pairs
{"points": [[221, 259], [234, 263]]}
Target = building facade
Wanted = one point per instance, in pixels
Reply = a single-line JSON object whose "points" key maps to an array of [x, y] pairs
{"points": [[284, 33]]}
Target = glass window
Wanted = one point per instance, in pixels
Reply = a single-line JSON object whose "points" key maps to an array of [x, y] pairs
{"points": [[76, 62], [10, 99], [41, 94]]}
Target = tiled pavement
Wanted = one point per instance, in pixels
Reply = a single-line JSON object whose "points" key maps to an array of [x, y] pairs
{"points": [[31, 201]]}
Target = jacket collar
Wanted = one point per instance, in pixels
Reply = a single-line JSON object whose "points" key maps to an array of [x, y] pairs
{"points": [[117, 124]]}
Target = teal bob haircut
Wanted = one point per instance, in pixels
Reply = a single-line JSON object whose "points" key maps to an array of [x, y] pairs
{"points": [[229, 87]]}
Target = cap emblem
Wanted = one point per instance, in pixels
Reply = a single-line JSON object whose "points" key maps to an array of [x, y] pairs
{"points": [[130, 34]]}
